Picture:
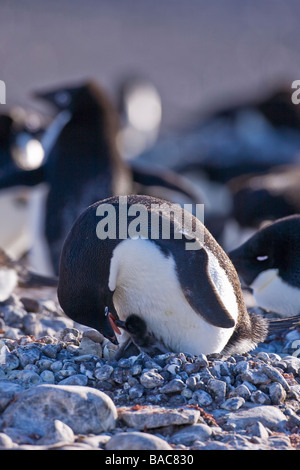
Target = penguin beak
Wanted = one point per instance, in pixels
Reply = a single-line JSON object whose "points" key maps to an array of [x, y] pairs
{"points": [[121, 324], [114, 323]]}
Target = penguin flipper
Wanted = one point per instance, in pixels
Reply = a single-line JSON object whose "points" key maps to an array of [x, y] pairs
{"points": [[202, 294]]}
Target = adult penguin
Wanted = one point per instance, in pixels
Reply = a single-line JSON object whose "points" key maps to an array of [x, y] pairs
{"points": [[162, 266]]}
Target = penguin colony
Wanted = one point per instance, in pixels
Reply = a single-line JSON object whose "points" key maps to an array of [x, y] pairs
{"points": [[152, 292]]}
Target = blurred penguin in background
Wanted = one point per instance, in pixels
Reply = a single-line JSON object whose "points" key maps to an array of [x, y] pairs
{"points": [[82, 164]]}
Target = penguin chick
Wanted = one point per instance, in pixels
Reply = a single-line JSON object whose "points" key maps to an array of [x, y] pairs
{"points": [[144, 340], [190, 299], [269, 263]]}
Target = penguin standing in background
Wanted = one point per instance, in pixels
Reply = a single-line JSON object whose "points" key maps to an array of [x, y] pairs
{"points": [[82, 165], [180, 284], [269, 262]]}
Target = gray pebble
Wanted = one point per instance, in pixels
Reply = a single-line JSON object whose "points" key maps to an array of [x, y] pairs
{"points": [[151, 379], [233, 404], [218, 389], [75, 379], [202, 398], [175, 385], [190, 434]]}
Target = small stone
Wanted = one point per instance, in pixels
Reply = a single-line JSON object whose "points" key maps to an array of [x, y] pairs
{"points": [[233, 404], [275, 376], [75, 379], [56, 366], [202, 398], [192, 368], [88, 346], [255, 377], [263, 356], [51, 350], [156, 416], [190, 434], [218, 389], [201, 359], [29, 377], [103, 372], [175, 385], [241, 391], [151, 379], [136, 391], [9, 361], [47, 376], [28, 355], [260, 397], [136, 441], [94, 335], [277, 393]]}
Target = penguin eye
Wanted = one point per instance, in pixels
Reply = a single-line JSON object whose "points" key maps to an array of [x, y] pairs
{"points": [[262, 258]]}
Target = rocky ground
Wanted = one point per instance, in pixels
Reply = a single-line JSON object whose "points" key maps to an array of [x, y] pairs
{"points": [[61, 388]]}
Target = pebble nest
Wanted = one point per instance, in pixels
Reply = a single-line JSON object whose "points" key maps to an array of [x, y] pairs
{"points": [[170, 401]]}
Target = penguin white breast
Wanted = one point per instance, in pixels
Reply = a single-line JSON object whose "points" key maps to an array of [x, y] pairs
{"points": [[145, 282], [271, 292], [8, 282]]}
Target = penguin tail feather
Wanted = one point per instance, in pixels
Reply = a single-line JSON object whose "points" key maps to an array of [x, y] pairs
{"points": [[259, 328], [279, 325]]}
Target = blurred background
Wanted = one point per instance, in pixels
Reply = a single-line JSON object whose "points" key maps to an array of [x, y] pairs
{"points": [[202, 90]]}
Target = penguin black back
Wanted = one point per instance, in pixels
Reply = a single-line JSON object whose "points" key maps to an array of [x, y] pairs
{"points": [[179, 293]]}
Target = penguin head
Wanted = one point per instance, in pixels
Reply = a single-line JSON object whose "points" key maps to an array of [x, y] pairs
{"points": [[275, 246], [82, 100], [134, 325]]}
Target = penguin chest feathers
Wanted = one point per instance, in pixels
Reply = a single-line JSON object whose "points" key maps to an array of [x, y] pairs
{"points": [[144, 282]]}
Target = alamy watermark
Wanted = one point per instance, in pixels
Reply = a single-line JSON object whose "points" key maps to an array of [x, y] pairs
{"points": [[296, 94], [2, 92], [163, 221]]}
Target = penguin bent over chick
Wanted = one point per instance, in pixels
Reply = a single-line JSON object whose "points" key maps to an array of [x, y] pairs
{"points": [[181, 284]]}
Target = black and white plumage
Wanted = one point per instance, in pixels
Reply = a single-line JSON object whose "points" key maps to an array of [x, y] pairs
{"points": [[269, 262], [190, 300]]}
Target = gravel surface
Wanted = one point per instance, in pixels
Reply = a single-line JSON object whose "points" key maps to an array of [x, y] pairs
{"points": [[170, 401]]}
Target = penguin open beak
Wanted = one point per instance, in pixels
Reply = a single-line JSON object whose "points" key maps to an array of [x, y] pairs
{"points": [[114, 323], [120, 323]]}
